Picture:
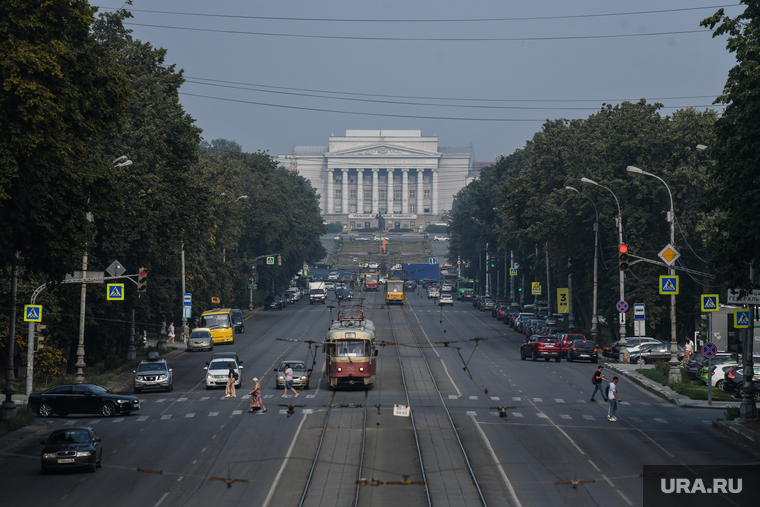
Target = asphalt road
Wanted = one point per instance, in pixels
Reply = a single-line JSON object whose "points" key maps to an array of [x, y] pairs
{"points": [[201, 449]]}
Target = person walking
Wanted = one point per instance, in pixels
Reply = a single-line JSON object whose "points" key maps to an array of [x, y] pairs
{"points": [[256, 402], [171, 333], [597, 379], [613, 398], [231, 378], [289, 381], [688, 350]]}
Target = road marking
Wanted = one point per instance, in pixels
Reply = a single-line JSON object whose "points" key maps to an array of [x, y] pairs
{"points": [[542, 415], [504, 477], [166, 416], [565, 416], [472, 413], [594, 465], [190, 415], [451, 379], [181, 399], [494, 413], [284, 462], [661, 421], [655, 443], [635, 419], [311, 395], [706, 421], [69, 423], [517, 414], [495, 398], [516, 398], [608, 481], [473, 397], [268, 395], [237, 412], [213, 414], [538, 400], [646, 404], [161, 499], [118, 420], [624, 403], [142, 418], [559, 400], [161, 400], [624, 497], [428, 340], [453, 397], [204, 398], [283, 410], [94, 421], [589, 417]]}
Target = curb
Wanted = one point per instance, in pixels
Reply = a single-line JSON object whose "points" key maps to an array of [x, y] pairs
{"points": [[735, 429]]}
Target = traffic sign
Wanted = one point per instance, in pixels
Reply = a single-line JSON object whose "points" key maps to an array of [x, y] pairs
{"points": [[536, 289], [622, 317], [187, 299], [32, 313], [116, 269], [622, 306], [512, 271], [563, 301], [270, 260], [710, 303], [709, 349], [115, 292], [187, 312], [669, 284], [432, 260], [751, 298], [459, 262], [669, 254], [741, 318], [638, 311]]}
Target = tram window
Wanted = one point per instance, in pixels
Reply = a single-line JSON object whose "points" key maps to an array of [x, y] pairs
{"points": [[349, 348]]}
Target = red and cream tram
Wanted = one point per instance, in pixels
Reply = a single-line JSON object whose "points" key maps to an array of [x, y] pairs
{"points": [[350, 351]]}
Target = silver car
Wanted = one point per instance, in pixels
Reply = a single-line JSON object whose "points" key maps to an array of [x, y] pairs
{"points": [[200, 339], [153, 373], [217, 372], [446, 299], [300, 375]]}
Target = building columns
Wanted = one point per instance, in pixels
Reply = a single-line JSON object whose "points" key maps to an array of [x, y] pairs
{"points": [[420, 192], [375, 193], [330, 201], [360, 190], [389, 191], [405, 191], [344, 192], [434, 199]]}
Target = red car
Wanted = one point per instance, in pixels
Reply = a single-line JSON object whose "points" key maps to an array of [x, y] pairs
{"points": [[565, 339], [537, 346]]}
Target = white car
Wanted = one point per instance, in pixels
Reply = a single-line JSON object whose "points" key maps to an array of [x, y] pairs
{"points": [[334, 275], [440, 238], [446, 299], [329, 286], [217, 372], [361, 238], [373, 265], [337, 238]]}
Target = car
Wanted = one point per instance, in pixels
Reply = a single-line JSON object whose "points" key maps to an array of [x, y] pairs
{"points": [[288, 297], [373, 265], [334, 275], [565, 339], [433, 293], [71, 447], [631, 344], [237, 318], [440, 238], [337, 238], [486, 305], [344, 294], [733, 383], [153, 373], [582, 349], [648, 353], [520, 319], [361, 238], [82, 399], [446, 299], [273, 303], [329, 286], [467, 295], [301, 375], [217, 371], [537, 346], [200, 339]]}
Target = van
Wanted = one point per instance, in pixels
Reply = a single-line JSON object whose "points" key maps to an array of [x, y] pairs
{"points": [[219, 322], [237, 319]]}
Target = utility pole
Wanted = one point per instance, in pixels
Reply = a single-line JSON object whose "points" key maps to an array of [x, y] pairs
{"points": [[487, 271], [548, 282], [511, 278], [571, 318]]}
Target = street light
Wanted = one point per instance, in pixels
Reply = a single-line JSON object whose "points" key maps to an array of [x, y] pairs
{"points": [[622, 349], [595, 316], [122, 161], [675, 373]]}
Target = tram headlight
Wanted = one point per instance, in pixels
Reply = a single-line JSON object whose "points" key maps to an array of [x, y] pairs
{"points": [[361, 368], [340, 369]]}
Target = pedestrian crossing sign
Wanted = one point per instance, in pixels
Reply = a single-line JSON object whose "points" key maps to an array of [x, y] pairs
{"points": [[536, 289], [710, 303], [512, 271], [115, 292], [32, 313], [741, 318], [669, 284], [270, 260]]}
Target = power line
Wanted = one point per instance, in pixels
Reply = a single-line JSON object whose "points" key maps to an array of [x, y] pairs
{"points": [[440, 20], [422, 39]]}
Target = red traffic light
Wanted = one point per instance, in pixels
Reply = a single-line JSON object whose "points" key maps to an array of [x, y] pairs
{"points": [[143, 272], [623, 248]]}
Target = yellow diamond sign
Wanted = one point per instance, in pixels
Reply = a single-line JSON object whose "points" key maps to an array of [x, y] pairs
{"points": [[669, 254]]}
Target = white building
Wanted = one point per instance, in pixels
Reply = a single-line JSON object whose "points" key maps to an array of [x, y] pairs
{"points": [[398, 174]]}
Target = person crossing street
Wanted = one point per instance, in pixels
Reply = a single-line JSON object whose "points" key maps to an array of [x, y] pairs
{"points": [[613, 398], [597, 379]]}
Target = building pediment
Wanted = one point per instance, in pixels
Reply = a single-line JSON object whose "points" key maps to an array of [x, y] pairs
{"points": [[383, 150]]}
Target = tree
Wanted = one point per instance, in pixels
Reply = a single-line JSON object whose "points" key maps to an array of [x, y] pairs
{"points": [[61, 91], [735, 150]]}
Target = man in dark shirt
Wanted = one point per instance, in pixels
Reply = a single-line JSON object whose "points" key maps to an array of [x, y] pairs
{"points": [[597, 380]]}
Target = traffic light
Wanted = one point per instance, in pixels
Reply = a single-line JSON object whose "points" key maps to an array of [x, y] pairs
{"points": [[703, 331], [142, 280], [38, 338], [493, 264], [279, 260], [623, 257]]}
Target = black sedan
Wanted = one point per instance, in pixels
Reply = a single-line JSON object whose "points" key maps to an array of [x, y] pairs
{"points": [[583, 349], [273, 303], [653, 352], [81, 399], [72, 447]]}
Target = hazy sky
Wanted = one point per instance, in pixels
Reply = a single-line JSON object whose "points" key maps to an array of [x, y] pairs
{"points": [[274, 74]]}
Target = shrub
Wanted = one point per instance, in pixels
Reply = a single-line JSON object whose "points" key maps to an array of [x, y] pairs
{"points": [[732, 412]]}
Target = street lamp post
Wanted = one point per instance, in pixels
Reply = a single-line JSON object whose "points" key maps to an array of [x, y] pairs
{"points": [[675, 373], [622, 349], [595, 316]]}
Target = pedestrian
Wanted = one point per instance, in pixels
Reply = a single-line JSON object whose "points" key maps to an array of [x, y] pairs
{"points": [[688, 350], [613, 398], [231, 378], [597, 379], [186, 332], [171, 333], [289, 381], [256, 402]]}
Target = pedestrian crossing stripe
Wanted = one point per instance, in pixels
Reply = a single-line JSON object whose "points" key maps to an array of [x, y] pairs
{"points": [[710, 303], [669, 284], [115, 292], [32, 313], [741, 319]]}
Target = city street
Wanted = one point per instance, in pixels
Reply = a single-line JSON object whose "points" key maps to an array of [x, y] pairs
{"points": [[195, 447]]}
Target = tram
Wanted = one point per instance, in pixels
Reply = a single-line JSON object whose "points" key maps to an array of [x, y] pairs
{"points": [[350, 350], [394, 292]]}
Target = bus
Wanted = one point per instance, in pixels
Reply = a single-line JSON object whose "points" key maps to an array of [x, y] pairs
{"points": [[350, 350], [394, 291], [220, 323], [303, 283], [464, 284]]}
